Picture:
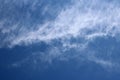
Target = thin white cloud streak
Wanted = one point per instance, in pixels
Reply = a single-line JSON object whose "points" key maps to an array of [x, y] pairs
{"points": [[104, 63]]}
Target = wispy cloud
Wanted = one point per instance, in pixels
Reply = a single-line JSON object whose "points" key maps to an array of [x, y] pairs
{"points": [[83, 20]]}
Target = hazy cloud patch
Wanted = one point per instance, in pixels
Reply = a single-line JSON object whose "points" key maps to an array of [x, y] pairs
{"points": [[75, 26]]}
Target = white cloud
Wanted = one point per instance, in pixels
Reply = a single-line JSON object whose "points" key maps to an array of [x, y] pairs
{"points": [[83, 20], [79, 20]]}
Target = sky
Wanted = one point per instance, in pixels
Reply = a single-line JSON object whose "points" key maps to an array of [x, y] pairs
{"points": [[59, 39]]}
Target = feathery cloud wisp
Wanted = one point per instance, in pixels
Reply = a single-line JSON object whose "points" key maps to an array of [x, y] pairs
{"points": [[84, 19]]}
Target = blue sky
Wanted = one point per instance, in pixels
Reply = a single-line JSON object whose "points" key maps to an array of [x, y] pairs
{"points": [[59, 40]]}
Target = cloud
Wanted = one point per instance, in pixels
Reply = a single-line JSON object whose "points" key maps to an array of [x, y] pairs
{"points": [[83, 21], [86, 21]]}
